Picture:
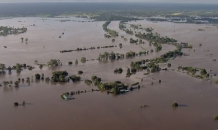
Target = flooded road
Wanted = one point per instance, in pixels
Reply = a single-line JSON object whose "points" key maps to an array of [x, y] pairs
{"points": [[45, 109]]}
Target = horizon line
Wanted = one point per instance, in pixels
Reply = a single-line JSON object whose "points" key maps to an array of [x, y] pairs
{"points": [[110, 2]]}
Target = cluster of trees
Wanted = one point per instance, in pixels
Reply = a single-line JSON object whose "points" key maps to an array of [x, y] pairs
{"points": [[54, 62], [191, 70], [107, 36], [4, 30], [133, 54], [118, 70], [116, 56], [157, 46], [186, 45], [110, 56], [153, 67], [130, 54], [135, 26], [138, 65], [149, 29], [113, 87], [123, 27], [75, 78], [129, 31], [133, 41], [111, 32], [96, 80], [84, 49], [59, 76], [155, 38], [18, 67], [10, 83], [88, 82]]}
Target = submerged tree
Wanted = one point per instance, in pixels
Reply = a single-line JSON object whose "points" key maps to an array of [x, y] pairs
{"points": [[16, 83], [215, 118], [26, 39], [76, 62], [16, 104], [203, 72], [54, 62], [120, 45], [70, 63], [37, 76], [128, 74], [83, 59], [22, 39], [175, 104], [18, 68], [2, 68]]}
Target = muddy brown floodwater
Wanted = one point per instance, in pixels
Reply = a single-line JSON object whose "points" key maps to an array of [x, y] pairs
{"points": [[45, 110]]}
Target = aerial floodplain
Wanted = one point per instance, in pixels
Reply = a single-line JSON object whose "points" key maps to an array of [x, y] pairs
{"points": [[95, 66]]}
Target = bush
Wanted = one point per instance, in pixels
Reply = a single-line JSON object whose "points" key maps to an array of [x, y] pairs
{"points": [[24, 103], [88, 82], [215, 118], [83, 59], [47, 79], [175, 104], [80, 72], [120, 70], [70, 63], [75, 78], [76, 61], [94, 77], [16, 104], [216, 81], [37, 76], [133, 71], [59, 76], [40, 66]]}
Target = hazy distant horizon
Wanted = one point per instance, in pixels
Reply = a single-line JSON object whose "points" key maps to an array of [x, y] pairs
{"points": [[129, 1], [57, 8]]}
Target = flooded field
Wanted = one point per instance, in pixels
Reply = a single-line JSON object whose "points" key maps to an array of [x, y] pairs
{"points": [[45, 109]]}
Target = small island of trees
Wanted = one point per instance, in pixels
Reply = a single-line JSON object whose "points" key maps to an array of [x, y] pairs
{"points": [[111, 32], [5, 30]]}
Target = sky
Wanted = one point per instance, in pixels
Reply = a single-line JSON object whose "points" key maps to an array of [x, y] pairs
{"points": [[159, 1]]}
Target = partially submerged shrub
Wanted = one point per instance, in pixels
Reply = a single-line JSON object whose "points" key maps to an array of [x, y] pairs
{"points": [[80, 72], [16, 104], [70, 63], [215, 118], [88, 82], [175, 104], [24, 103]]}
